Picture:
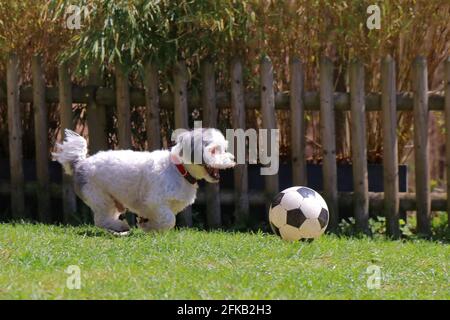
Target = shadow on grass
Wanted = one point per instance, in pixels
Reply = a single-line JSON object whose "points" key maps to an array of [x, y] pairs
{"points": [[346, 230], [440, 230], [93, 233]]}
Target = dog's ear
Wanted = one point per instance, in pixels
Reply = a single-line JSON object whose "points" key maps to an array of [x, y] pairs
{"points": [[177, 139], [184, 145], [212, 149]]}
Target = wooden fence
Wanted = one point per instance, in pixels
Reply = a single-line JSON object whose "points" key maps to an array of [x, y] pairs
{"points": [[297, 100]]}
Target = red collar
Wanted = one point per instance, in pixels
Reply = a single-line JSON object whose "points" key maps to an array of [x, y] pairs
{"points": [[182, 170]]}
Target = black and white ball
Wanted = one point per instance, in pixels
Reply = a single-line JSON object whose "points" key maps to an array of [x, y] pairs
{"points": [[298, 213]]}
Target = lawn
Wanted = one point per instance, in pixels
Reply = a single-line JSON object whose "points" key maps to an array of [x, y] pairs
{"points": [[192, 264]]}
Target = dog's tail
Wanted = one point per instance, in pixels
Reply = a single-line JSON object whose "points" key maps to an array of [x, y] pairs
{"points": [[72, 150]]}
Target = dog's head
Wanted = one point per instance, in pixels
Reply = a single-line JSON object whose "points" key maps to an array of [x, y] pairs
{"points": [[203, 152]]}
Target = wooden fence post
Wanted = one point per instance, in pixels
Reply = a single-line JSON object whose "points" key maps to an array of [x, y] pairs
{"points": [[359, 148], [96, 114], [151, 86], [390, 149], [269, 120], [123, 107], [213, 212], [327, 128], [447, 131], [297, 107], [241, 212], [65, 104], [41, 139], [15, 138], [123, 114], [420, 89], [181, 121]]}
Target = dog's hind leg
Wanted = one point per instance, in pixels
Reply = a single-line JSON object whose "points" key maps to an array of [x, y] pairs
{"points": [[161, 219], [106, 213]]}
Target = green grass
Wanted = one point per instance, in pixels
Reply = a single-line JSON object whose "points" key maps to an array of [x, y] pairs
{"points": [[191, 264]]}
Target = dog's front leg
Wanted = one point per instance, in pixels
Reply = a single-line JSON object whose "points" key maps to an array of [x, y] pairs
{"points": [[161, 219]]}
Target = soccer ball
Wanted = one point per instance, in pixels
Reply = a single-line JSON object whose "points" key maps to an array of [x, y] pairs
{"points": [[298, 213]]}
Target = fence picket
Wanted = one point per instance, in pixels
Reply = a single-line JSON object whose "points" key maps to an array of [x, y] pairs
{"points": [[181, 121], [327, 128], [96, 113], [151, 86], [15, 138], [66, 118], [268, 119], [297, 108], [123, 107], [420, 89], [213, 210], [447, 131], [241, 212], [123, 114], [41, 139], [359, 149], [390, 149]]}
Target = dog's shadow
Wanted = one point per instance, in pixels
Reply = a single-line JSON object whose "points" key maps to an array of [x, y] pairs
{"points": [[101, 233], [93, 233]]}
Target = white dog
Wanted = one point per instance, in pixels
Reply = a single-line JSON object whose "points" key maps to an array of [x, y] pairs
{"points": [[155, 185]]}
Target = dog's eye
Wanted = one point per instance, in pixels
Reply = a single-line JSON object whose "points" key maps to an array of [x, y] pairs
{"points": [[214, 149]]}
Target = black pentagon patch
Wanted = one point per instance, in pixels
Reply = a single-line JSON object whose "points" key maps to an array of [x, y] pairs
{"points": [[306, 193], [276, 201], [275, 229], [295, 218], [323, 217]]}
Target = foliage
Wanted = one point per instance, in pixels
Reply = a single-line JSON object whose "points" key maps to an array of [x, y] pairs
{"points": [[439, 227], [134, 32], [27, 29], [192, 264]]}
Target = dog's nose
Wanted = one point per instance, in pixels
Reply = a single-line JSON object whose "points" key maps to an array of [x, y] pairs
{"points": [[230, 160]]}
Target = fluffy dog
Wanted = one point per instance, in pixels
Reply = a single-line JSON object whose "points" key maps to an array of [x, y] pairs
{"points": [[155, 185]]}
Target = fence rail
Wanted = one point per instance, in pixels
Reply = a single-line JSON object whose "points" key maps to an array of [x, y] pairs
{"points": [[311, 99], [407, 200], [326, 101]]}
